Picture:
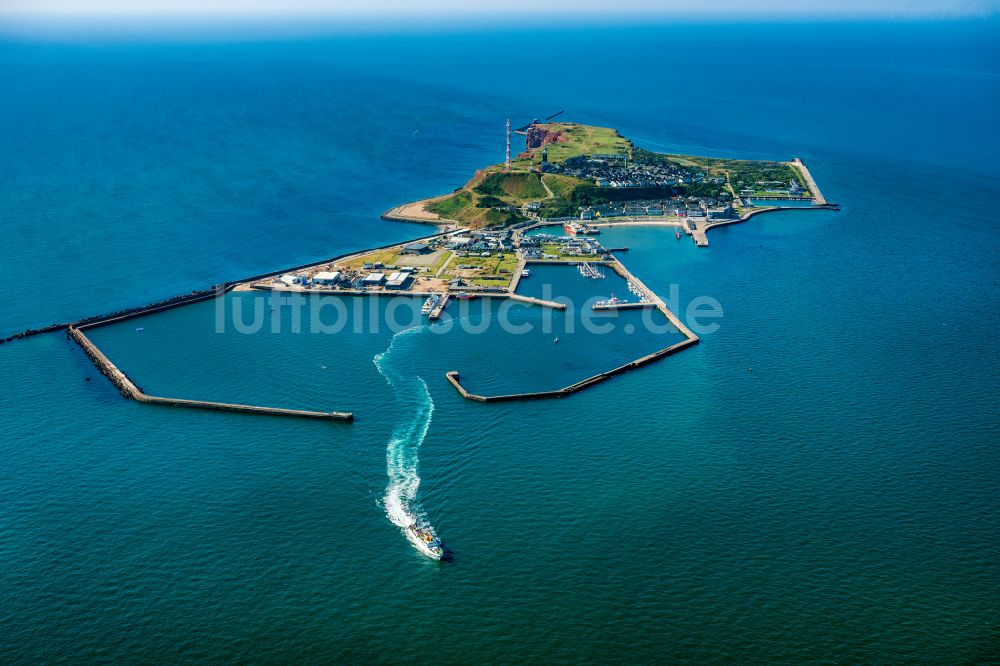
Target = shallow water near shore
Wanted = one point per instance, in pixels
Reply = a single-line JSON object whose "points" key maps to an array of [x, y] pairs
{"points": [[815, 480]]}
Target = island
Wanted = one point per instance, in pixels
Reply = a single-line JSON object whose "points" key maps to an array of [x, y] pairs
{"points": [[577, 177], [568, 170]]}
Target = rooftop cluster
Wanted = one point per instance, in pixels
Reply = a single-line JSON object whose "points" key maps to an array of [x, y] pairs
{"points": [[611, 171]]}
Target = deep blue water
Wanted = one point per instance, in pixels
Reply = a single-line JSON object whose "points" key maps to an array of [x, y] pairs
{"points": [[839, 502]]}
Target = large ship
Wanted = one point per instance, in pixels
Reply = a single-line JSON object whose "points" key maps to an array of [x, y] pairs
{"points": [[425, 540], [430, 304]]}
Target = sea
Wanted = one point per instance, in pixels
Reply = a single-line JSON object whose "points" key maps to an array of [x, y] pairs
{"points": [[817, 481]]}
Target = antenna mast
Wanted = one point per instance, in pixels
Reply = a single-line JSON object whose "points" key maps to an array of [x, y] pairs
{"points": [[508, 145]]}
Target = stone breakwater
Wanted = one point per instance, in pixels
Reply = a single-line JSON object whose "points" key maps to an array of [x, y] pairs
{"points": [[453, 378], [129, 389]]}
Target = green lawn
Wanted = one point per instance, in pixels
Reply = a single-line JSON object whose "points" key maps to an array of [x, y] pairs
{"points": [[487, 269], [557, 249], [562, 186], [512, 187], [387, 257]]}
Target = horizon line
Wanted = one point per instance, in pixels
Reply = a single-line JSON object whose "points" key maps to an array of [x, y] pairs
{"points": [[971, 10]]}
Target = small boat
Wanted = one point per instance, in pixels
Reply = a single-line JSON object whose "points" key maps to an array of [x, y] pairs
{"points": [[465, 296], [425, 540], [556, 340], [678, 234], [525, 273], [140, 329], [587, 270]]}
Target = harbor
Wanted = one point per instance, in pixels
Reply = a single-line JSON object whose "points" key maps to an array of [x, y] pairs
{"points": [[436, 294], [465, 262]]}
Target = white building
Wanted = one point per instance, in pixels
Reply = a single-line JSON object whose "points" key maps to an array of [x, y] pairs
{"points": [[327, 277], [288, 279]]}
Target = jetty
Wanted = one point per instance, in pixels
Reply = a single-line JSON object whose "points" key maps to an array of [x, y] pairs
{"points": [[555, 305], [623, 306]]}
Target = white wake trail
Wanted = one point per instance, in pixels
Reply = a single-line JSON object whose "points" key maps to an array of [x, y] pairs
{"points": [[402, 451]]}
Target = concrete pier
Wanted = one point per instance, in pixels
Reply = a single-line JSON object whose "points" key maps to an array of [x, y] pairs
{"points": [[130, 390], [521, 263], [623, 306], [537, 301]]}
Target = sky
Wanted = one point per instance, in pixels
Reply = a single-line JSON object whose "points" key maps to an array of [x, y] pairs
{"points": [[333, 8]]}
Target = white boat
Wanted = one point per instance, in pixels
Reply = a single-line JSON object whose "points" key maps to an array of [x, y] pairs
{"points": [[525, 273], [587, 270], [425, 540], [610, 302], [430, 304]]}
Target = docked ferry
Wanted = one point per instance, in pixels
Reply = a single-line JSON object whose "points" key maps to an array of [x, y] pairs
{"points": [[430, 304], [610, 302], [425, 540]]}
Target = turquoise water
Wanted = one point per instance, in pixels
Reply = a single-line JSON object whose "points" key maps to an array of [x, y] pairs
{"points": [[839, 502]]}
